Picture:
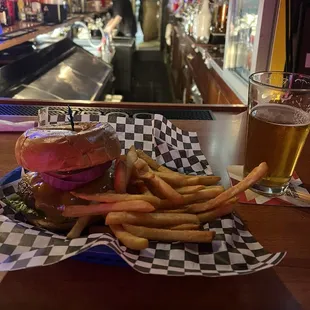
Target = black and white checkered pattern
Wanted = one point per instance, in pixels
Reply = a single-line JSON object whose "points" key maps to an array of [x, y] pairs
{"points": [[233, 252]]}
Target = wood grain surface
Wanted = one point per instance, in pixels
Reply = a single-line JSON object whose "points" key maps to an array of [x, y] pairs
{"points": [[78, 285]]}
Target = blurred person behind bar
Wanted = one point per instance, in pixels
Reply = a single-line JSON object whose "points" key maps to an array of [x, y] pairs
{"points": [[128, 25]]}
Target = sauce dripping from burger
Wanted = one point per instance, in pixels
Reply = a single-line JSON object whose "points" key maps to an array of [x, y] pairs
{"points": [[48, 198]]}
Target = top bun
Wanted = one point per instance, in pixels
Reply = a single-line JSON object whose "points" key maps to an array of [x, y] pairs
{"points": [[57, 148]]}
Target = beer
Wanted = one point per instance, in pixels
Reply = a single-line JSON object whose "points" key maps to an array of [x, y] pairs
{"points": [[276, 134]]}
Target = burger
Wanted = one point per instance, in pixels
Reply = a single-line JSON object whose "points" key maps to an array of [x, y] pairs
{"points": [[58, 160]]}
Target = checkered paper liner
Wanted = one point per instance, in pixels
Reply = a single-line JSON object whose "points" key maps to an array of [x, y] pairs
{"points": [[250, 197], [234, 251]]}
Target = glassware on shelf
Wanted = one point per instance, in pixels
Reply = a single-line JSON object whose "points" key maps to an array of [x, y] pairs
{"points": [[203, 22], [242, 31], [219, 11]]}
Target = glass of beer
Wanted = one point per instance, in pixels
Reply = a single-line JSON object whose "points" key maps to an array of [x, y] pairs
{"points": [[277, 128]]}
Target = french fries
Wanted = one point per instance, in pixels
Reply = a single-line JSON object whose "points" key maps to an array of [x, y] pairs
{"points": [[204, 195], [105, 208], [169, 206], [255, 175], [129, 240], [166, 190], [79, 226], [170, 235], [150, 219]]}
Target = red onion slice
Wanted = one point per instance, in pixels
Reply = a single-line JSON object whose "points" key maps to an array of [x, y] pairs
{"points": [[73, 181]]}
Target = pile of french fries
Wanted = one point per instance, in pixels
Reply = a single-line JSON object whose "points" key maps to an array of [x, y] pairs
{"points": [[152, 202]]}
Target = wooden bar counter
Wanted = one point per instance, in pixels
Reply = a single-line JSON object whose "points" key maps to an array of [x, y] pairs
{"points": [[76, 285]]}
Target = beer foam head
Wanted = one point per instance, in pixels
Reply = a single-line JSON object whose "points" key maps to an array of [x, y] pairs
{"points": [[281, 114]]}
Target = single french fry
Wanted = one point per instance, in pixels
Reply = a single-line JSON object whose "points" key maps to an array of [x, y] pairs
{"points": [[255, 175], [191, 208], [112, 197], [185, 227], [130, 241], [120, 176], [151, 162], [164, 169], [232, 200], [170, 235], [207, 193], [202, 180], [183, 210], [196, 206], [104, 208], [132, 157], [213, 214], [176, 179], [78, 227], [143, 169], [190, 189], [150, 219]]}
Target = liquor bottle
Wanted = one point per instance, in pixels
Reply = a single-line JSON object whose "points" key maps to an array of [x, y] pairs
{"points": [[21, 10], [10, 5], [4, 14], [204, 22]]}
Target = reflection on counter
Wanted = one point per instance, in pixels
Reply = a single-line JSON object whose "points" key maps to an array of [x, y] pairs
{"points": [[60, 71]]}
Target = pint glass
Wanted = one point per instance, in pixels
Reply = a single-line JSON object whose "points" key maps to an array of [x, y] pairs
{"points": [[278, 126]]}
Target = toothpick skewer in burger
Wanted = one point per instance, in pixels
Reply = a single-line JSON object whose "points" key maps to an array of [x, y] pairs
{"points": [[61, 160]]}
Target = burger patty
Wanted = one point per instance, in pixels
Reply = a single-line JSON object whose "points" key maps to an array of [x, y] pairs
{"points": [[40, 196]]}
